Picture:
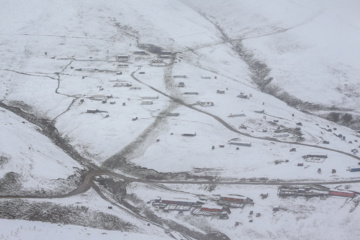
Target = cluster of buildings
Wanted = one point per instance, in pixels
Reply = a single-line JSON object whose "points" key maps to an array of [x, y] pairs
{"points": [[219, 208], [313, 191]]}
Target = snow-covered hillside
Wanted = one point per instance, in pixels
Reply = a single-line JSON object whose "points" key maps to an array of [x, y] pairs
{"points": [[302, 43], [133, 115]]}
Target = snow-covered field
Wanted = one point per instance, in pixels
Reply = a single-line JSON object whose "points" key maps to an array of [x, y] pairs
{"points": [[60, 66]]}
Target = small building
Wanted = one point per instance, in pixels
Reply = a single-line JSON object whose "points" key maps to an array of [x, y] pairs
{"points": [[235, 198], [122, 85], [191, 93], [135, 88], [259, 111], [95, 111], [181, 201], [238, 142], [141, 72], [140, 53], [220, 92], [299, 124], [179, 76], [166, 53], [306, 191], [86, 69], [292, 149], [172, 114], [354, 169], [243, 96], [281, 135], [122, 58], [147, 103], [326, 142], [163, 56], [206, 104], [341, 193], [181, 84], [237, 115], [150, 97], [212, 208], [315, 155], [188, 134], [205, 77], [157, 61]]}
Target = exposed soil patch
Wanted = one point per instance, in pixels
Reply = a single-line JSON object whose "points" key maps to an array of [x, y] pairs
{"points": [[53, 213]]}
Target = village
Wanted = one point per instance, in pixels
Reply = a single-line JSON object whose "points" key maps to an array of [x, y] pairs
{"points": [[129, 97], [219, 206]]}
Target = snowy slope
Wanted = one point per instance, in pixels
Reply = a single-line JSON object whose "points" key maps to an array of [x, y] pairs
{"points": [[31, 157], [302, 42]]}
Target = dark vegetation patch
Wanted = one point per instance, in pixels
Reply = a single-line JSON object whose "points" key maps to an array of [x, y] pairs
{"points": [[53, 213]]}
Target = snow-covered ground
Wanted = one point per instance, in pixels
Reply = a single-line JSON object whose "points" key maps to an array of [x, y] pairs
{"points": [[30, 157], [302, 42]]}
